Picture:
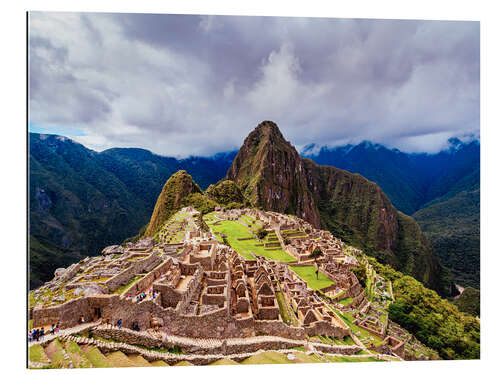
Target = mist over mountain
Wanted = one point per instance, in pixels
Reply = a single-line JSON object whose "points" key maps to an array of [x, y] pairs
{"points": [[409, 180]]}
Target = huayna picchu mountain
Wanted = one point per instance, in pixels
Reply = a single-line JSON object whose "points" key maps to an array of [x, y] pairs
{"points": [[273, 176]]}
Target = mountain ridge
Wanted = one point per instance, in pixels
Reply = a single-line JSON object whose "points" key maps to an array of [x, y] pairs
{"points": [[270, 172]]}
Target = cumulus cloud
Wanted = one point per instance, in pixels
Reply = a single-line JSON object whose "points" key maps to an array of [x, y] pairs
{"points": [[196, 85]]}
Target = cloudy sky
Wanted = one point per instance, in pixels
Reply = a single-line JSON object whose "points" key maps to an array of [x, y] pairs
{"points": [[196, 85]]}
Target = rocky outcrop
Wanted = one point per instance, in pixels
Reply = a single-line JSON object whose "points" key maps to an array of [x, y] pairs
{"points": [[113, 249]]}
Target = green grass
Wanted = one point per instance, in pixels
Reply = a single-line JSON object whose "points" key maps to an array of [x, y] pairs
{"points": [[184, 363], [119, 359], [308, 274], [348, 319], [272, 357], [37, 354], [97, 359], [223, 361], [31, 300], [123, 288], [58, 360], [77, 356], [346, 301], [283, 310], [159, 363], [346, 358], [234, 230]]}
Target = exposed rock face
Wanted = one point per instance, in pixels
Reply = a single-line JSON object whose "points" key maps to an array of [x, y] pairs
{"points": [[89, 290], [177, 187], [59, 272], [272, 175], [113, 249]]}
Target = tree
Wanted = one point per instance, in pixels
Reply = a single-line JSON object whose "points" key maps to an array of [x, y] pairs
{"points": [[315, 254], [261, 233], [360, 272]]}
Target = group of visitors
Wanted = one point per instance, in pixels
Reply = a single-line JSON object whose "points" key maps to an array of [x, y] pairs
{"points": [[150, 293], [38, 334]]}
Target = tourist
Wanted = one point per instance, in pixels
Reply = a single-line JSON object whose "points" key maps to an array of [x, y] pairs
{"points": [[52, 329], [42, 333], [119, 323], [57, 327], [30, 336]]}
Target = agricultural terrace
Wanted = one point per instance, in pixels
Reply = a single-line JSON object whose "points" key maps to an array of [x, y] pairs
{"points": [[175, 228], [365, 336], [242, 239], [308, 274], [293, 233]]}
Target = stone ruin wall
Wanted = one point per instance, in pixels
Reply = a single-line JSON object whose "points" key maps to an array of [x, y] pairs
{"points": [[139, 338], [134, 269], [169, 297], [149, 278], [344, 350], [68, 314], [191, 288], [358, 300], [278, 328], [324, 328]]}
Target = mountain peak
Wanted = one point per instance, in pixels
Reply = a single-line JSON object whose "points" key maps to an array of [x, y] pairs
{"points": [[271, 174], [178, 186], [266, 131]]}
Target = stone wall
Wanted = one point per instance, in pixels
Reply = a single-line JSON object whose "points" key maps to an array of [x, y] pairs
{"points": [[325, 328], [135, 268], [121, 278], [169, 297], [68, 314], [190, 290], [129, 336], [337, 349], [149, 278], [278, 328], [358, 299]]}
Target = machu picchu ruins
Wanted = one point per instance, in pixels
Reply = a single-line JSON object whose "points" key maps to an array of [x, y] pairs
{"points": [[230, 285]]}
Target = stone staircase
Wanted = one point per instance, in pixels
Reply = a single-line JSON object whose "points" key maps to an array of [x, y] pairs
{"points": [[69, 331]]}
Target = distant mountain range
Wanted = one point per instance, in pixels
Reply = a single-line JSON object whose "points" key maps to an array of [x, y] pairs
{"points": [[82, 200], [411, 181], [441, 191]]}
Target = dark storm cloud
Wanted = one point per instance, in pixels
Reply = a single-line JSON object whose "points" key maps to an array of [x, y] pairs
{"points": [[182, 85]]}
